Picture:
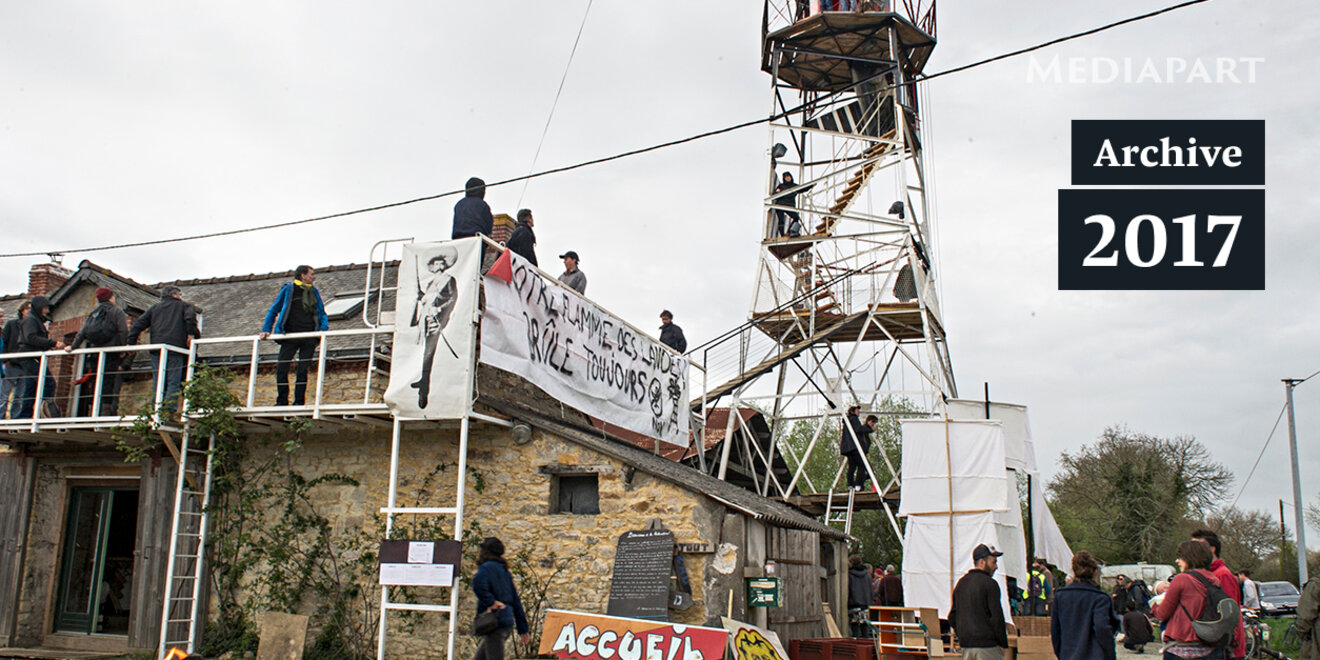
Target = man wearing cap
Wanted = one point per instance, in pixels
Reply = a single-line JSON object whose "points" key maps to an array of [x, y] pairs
{"points": [[977, 615], [107, 325], [170, 321], [573, 277]]}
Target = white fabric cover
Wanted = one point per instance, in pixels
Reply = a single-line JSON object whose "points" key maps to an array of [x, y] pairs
{"points": [[416, 309], [1019, 450], [1012, 540], [926, 565], [1049, 541], [584, 356], [977, 452]]}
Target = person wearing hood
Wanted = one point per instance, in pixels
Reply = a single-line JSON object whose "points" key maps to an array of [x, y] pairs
{"points": [[107, 325], [493, 585], [34, 337], [472, 213], [859, 597], [523, 240], [12, 384]]}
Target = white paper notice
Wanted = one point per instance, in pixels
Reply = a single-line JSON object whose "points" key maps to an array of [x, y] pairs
{"points": [[420, 552], [417, 575]]}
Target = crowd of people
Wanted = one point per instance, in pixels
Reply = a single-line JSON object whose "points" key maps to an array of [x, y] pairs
{"points": [[869, 587], [1198, 610]]}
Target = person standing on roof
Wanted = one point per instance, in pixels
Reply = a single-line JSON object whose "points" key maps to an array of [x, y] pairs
{"points": [[573, 277], [107, 325], [297, 308], [523, 240], [13, 381], [472, 213], [172, 322], [32, 337], [670, 334], [977, 615]]}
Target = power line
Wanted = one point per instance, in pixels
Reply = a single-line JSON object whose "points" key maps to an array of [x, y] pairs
{"points": [[545, 131], [597, 161], [1262, 453]]}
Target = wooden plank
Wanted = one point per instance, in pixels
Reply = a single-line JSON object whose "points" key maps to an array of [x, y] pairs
{"points": [[17, 476], [152, 545]]}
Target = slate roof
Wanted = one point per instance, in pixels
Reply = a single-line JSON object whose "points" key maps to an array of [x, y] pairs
{"points": [[133, 297], [750, 503]]}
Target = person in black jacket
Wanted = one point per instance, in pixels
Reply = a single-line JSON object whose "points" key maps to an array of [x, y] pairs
{"points": [[106, 312], [977, 615], [493, 585], [523, 240], [854, 445], [670, 334], [170, 321], [1082, 623], [859, 597], [472, 213], [1137, 632], [13, 382], [32, 336]]}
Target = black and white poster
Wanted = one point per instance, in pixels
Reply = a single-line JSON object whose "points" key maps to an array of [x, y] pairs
{"points": [[580, 354], [431, 372]]}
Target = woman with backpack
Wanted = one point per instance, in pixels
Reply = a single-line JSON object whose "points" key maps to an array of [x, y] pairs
{"points": [[1185, 602]]}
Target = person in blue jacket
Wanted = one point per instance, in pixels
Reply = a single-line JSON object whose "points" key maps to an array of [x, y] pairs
{"points": [[495, 591], [297, 308], [1082, 621]]}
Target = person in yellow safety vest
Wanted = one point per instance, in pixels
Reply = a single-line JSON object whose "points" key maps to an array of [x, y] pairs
{"points": [[1037, 593]]}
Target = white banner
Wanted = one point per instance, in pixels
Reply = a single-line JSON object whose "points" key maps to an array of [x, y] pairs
{"points": [[976, 450], [927, 564], [578, 353], [432, 360]]}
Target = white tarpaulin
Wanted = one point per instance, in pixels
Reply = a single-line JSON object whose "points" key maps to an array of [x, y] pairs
{"points": [[1019, 451], [926, 560], [976, 450], [547, 333], [1012, 540], [434, 339], [1049, 541]]}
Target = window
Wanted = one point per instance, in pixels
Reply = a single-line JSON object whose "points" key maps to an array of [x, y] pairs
{"points": [[341, 307], [575, 493]]}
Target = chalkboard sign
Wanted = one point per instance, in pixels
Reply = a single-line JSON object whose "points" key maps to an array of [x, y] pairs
{"points": [[640, 588]]}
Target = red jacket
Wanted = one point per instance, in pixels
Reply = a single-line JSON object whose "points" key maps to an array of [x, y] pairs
{"points": [[1234, 590], [1190, 593]]}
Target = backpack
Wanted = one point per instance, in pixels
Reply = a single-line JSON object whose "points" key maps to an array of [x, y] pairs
{"points": [[99, 329], [1219, 616]]}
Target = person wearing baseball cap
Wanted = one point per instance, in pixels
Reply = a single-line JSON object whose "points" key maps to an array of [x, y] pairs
{"points": [[977, 615], [573, 277]]}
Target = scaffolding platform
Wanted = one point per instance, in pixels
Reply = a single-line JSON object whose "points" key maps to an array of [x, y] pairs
{"points": [[814, 503], [902, 320], [818, 49]]}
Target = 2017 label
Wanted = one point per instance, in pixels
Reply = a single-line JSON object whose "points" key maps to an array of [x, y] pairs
{"points": [[1161, 239]]}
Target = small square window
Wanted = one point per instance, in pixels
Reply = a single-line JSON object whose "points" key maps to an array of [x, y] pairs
{"points": [[575, 493]]}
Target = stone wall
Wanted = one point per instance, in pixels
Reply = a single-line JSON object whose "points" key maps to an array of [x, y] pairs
{"points": [[344, 383], [508, 496]]}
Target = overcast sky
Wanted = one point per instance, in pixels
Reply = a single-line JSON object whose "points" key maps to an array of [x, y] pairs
{"points": [[131, 121]]}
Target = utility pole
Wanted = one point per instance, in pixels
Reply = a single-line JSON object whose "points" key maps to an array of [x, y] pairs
{"points": [[1288, 385], [1283, 541]]}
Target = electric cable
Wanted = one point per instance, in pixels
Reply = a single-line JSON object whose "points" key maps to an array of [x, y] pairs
{"points": [[1262, 453], [555, 104], [588, 163]]}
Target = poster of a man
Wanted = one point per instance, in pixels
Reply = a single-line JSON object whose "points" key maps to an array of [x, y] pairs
{"points": [[436, 296]]}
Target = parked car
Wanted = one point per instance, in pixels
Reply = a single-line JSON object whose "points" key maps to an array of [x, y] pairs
{"points": [[1278, 598]]}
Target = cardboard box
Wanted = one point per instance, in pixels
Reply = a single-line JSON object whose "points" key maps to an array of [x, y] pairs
{"points": [[1034, 648]]}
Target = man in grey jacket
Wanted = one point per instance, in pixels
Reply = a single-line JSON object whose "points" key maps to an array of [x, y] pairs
{"points": [[573, 277]]}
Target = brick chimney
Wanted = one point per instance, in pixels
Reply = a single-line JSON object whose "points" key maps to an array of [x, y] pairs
{"points": [[502, 228], [45, 278]]}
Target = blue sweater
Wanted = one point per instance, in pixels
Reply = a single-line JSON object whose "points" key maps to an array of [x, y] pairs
{"points": [[1082, 623], [280, 310], [494, 583]]}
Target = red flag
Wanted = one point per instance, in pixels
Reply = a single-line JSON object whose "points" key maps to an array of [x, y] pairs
{"points": [[503, 267]]}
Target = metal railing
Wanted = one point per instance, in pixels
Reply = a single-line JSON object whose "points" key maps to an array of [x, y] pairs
{"points": [[158, 355], [370, 401]]}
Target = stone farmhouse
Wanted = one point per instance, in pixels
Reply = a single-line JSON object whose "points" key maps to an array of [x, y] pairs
{"points": [[85, 536]]}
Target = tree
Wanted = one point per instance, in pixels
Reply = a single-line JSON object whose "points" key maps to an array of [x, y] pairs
{"points": [[1247, 537], [1129, 496], [879, 545]]}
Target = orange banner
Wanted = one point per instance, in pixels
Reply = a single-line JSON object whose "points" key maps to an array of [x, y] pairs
{"points": [[598, 637]]}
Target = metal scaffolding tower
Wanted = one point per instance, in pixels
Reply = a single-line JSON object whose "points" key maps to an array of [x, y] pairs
{"points": [[845, 309]]}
